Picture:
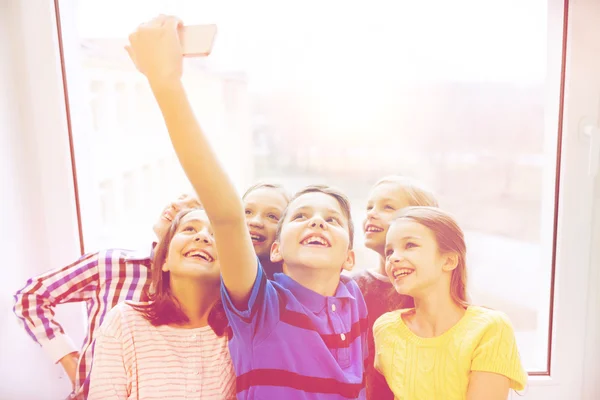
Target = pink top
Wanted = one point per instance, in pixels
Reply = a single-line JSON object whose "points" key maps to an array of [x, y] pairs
{"points": [[135, 360]]}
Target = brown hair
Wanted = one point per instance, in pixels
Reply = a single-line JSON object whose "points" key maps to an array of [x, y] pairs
{"points": [[450, 239], [341, 198], [268, 185], [163, 308], [416, 192]]}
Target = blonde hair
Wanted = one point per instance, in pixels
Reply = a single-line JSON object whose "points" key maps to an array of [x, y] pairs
{"points": [[416, 192], [450, 239], [268, 185]]}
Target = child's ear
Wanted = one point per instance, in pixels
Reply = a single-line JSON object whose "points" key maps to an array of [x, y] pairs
{"points": [[165, 267], [350, 260], [276, 252], [451, 262]]}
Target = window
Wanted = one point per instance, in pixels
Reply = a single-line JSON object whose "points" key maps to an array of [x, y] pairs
{"points": [[123, 111], [108, 203], [452, 98], [97, 104]]}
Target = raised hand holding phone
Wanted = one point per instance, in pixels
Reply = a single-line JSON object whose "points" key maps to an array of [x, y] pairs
{"points": [[157, 52], [155, 49]]}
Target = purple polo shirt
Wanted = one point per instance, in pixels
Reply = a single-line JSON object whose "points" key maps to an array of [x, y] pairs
{"points": [[292, 343]]}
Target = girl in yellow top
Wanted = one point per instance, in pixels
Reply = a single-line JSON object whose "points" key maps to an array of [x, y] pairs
{"points": [[443, 348]]}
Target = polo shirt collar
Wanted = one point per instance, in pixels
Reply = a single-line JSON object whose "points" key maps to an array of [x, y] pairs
{"points": [[312, 300]]}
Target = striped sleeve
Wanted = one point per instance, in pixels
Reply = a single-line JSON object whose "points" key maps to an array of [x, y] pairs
{"points": [[108, 378], [34, 303]]}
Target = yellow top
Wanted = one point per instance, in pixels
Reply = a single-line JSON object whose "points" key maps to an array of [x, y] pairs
{"points": [[438, 368]]}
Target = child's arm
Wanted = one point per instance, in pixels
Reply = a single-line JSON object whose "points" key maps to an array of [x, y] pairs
{"points": [[156, 51], [36, 302], [487, 386], [496, 364]]}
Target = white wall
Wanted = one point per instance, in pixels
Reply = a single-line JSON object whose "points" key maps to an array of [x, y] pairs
{"points": [[37, 213]]}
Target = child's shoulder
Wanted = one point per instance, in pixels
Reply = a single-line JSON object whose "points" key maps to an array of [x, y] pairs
{"points": [[358, 275], [114, 320], [368, 277], [361, 277], [351, 285], [488, 318], [348, 280], [388, 319], [129, 312], [131, 307]]}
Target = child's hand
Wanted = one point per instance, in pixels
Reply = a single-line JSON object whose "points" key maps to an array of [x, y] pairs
{"points": [[156, 51]]}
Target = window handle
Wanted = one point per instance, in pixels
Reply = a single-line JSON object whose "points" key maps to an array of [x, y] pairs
{"points": [[592, 133]]}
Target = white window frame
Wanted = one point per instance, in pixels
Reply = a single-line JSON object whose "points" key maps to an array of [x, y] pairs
{"points": [[576, 314]]}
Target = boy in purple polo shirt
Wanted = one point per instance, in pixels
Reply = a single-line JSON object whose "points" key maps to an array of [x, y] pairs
{"points": [[303, 335]]}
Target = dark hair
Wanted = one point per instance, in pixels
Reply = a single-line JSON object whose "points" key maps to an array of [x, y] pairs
{"points": [[163, 308], [450, 239], [341, 198], [268, 185]]}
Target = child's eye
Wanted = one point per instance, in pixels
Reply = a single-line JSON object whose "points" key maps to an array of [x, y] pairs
{"points": [[388, 253], [410, 245], [388, 207], [369, 208], [189, 228], [297, 216], [273, 217], [333, 220], [248, 212]]}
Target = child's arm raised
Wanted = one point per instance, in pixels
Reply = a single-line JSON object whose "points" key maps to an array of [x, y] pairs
{"points": [[156, 51]]}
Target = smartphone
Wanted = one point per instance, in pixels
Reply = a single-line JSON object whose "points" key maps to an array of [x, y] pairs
{"points": [[197, 40]]}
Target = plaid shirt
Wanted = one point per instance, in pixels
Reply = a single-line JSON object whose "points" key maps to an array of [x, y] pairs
{"points": [[101, 280]]}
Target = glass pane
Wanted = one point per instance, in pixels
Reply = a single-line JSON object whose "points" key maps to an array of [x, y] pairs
{"points": [[455, 94]]}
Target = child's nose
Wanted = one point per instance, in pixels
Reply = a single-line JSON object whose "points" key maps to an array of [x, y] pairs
{"points": [[372, 213], [256, 221], [317, 222], [203, 236], [394, 258]]}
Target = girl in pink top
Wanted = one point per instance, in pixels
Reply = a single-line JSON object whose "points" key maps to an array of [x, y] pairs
{"points": [[174, 346]]}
